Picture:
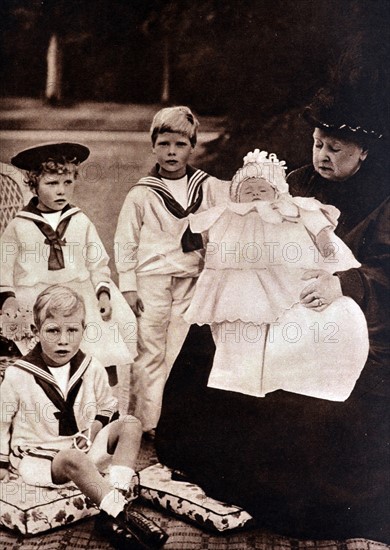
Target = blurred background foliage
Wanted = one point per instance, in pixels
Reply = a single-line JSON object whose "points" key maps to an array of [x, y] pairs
{"points": [[255, 62]]}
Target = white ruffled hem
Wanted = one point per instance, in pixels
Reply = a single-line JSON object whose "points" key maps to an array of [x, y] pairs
{"points": [[258, 296]]}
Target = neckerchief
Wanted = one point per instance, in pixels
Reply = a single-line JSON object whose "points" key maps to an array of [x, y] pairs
{"points": [[190, 241], [54, 238], [34, 364]]}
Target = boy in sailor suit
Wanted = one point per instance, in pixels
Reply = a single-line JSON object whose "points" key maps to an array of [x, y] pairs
{"points": [[158, 257], [60, 422], [51, 241]]}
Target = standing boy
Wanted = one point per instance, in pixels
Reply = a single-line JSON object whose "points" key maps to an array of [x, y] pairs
{"points": [[158, 258], [75, 432]]}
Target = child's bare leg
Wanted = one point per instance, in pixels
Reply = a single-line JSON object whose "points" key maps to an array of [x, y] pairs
{"points": [[73, 465], [124, 441]]}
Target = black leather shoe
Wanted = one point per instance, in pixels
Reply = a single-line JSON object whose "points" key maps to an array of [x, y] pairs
{"points": [[119, 536], [146, 531], [131, 530]]}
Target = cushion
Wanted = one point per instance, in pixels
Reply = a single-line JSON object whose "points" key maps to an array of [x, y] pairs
{"points": [[30, 509], [189, 501]]}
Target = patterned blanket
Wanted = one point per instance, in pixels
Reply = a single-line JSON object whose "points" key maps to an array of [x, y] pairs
{"points": [[183, 536]]}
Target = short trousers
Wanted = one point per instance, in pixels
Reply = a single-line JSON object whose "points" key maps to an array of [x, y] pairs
{"points": [[36, 470]]}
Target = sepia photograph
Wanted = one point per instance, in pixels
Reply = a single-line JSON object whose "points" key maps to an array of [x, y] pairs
{"points": [[194, 275]]}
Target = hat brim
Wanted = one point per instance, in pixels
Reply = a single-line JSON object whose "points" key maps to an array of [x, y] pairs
{"points": [[316, 121], [32, 159]]}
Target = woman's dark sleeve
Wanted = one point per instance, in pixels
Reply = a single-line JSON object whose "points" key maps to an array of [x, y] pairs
{"points": [[370, 242], [369, 284]]}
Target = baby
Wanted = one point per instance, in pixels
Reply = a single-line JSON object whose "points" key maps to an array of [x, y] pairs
{"points": [[261, 247]]}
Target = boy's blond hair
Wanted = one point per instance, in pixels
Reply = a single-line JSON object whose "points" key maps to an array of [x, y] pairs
{"points": [[56, 299], [179, 120], [51, 167]]}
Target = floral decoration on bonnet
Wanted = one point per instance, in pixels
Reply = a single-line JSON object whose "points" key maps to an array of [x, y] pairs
{"points": [[260, 164]]}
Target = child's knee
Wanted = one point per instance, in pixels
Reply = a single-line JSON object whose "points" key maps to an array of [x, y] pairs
{"points": [[130, 424], [71, 461]]}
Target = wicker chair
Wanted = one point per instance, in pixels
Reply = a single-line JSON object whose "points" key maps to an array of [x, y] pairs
{"points": [[14, 193]]}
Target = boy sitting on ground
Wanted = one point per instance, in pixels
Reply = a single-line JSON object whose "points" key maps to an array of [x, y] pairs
{"points": [[59, 420]]}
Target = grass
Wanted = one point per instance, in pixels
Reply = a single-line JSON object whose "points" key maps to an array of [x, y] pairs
{"points": [[34, 114]]}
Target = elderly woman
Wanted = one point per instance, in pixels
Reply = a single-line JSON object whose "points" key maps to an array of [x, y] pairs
{"points": [[346, 174], [302, 466]]}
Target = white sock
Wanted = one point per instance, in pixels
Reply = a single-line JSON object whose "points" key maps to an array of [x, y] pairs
{"points": [[120, 476], [113, 503]]}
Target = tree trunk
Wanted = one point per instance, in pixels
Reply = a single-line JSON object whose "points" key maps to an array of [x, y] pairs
{"points": [[165, 76], [54, 71]]}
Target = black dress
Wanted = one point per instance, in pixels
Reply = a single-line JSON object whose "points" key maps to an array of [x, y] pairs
{"points": [[303, 467]]}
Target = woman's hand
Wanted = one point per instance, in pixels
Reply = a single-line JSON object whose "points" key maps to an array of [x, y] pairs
{"points": [[322, 291], [134, 302], [105, 307]]}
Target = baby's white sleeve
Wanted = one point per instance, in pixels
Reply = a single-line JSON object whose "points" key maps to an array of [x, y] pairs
{"points": [[204, 220]]}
